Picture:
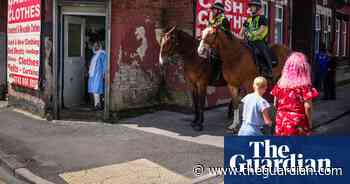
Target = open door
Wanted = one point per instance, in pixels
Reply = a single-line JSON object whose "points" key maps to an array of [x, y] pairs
{"points": [[74, 61]]}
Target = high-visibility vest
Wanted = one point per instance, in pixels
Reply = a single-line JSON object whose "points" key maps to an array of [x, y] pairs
{"points": [[218, 21], [253, 25]]}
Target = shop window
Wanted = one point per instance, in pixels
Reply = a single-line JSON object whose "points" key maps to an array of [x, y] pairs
{"points": [[337, 33], [279, 24], [317, 32], [344, 34]]}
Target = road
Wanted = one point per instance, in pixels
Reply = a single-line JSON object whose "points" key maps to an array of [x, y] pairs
{"points": [[6, 178], [337, 127]]}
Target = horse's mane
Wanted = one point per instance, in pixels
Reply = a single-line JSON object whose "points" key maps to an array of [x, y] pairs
{"points": [[183, 36]]}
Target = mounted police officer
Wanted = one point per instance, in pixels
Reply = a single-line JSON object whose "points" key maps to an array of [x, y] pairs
{"points": [[255, 30], [218, 19]]}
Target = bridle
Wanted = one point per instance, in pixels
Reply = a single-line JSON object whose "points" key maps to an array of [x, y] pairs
{"points": [[173, 42], [215, 36]]}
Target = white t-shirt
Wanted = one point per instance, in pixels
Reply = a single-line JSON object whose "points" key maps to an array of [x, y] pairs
{"points": [[253, 106]]}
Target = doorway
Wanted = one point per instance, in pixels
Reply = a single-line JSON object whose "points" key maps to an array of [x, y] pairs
{"points": [[80, 28]]}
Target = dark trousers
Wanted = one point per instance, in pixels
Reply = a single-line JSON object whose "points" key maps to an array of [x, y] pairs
{"points": [[265, 51], [329, 85]]}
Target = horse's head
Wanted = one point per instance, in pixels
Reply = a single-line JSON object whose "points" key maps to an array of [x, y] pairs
{"points": [[208, 41], [167, 46]]}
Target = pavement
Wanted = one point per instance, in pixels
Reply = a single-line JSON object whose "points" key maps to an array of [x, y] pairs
{"points": [[8, 178], [153, 148]]}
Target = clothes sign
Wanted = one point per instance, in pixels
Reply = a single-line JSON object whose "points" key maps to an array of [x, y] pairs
{"points": [[236, 12], [23, 50]]}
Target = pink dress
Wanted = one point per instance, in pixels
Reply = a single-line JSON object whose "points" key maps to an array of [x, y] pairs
{"points": [[291, 119]]}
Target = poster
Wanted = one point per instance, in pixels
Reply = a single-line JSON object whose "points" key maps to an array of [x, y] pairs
{"points": [[23, 50], [236, 12]]}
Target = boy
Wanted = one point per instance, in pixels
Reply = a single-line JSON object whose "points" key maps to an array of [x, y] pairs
{"points": [[255, 110]]}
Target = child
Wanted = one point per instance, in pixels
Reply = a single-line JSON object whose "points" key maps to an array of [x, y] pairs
{"points": [[293, 97], [255, 110]]}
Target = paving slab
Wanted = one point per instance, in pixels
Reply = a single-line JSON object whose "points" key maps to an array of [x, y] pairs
{"points": [[141, 171]]}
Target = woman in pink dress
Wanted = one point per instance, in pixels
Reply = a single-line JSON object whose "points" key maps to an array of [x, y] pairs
{"points": [[293, 97]]}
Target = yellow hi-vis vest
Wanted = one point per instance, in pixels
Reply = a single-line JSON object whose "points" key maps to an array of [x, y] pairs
{"points": [[253, 26]]}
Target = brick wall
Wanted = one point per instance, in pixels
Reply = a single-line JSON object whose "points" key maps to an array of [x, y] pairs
{"points": [[136, 30]]}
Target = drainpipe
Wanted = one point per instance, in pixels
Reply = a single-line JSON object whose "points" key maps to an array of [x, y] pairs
{"points": [[55, 64], [108, 72]]}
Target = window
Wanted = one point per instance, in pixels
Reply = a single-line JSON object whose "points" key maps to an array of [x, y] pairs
{"points": [[326, 31], [279, 24], [266, 8], [344, 34], [337, 31], [74, 40], [317, 32]]}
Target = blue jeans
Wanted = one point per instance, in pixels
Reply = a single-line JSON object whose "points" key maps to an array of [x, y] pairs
{"points": [[250, 130]]}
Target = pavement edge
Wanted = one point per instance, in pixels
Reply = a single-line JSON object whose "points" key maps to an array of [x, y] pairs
{"points": [[19, 170]]}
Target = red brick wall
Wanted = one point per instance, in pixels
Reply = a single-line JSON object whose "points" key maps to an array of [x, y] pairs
{"points": [[136, 30]]}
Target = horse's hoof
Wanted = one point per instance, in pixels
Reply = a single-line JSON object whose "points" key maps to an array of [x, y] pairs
{"points": [[198, 128]]}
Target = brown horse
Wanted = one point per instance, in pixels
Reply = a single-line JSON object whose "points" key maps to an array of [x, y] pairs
{"points": [[238, 65], [197, 71]]}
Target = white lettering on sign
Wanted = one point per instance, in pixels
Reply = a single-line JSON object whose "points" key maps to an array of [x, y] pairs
{"points": [[236, 12], [23, 45]]}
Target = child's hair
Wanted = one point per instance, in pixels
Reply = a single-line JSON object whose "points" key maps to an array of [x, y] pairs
{"points": [[296, 72], [260, 82]]}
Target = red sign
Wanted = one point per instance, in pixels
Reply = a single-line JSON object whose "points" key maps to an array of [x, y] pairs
{"points": [[23, 45], [236, 12]]}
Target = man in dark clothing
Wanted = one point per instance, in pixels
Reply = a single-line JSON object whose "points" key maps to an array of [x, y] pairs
{"points": [[329, 82]]}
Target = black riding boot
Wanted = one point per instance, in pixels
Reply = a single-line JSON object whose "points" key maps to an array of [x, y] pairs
{"points": [[263, 48]]}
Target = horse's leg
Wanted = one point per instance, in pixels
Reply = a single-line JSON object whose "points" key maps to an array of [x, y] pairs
{"points": [[201, 106], [195, 106], [230, 110], [235, 103]]}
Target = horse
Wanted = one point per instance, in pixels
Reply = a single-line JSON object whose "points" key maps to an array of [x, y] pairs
{"points": [[238, 66], [197, 71]]}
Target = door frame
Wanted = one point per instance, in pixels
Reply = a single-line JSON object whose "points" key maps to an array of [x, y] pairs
{"points": [[82, 9]]}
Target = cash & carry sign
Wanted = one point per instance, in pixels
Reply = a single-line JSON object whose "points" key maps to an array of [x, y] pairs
{"points": [[236, 12], [24, 27]]}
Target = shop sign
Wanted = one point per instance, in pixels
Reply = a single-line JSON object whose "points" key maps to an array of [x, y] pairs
{"points": [[23, 45]]}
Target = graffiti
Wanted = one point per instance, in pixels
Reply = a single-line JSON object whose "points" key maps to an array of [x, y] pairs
{"points": [[141, 35]]}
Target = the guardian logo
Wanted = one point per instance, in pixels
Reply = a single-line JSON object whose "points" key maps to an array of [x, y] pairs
{"points": [[267, 155]]}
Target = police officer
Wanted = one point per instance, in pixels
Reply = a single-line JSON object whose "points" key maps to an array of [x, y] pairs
{"points": [[255, 30], [218, 19]]}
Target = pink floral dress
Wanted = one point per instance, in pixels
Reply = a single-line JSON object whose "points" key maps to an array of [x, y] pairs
{"points": [[291, 119]]}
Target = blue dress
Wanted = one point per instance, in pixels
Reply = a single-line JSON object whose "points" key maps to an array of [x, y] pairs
{"points": [[96, 81]]}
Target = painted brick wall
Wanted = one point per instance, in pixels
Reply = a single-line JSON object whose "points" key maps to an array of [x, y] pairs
{"points": [[137, 26], [134, 53]]}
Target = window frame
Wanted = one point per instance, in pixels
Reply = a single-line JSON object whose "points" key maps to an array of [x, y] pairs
{"points": [[337, 32], [279, 20], [344, 35], [266, 8], [317, 32]]}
